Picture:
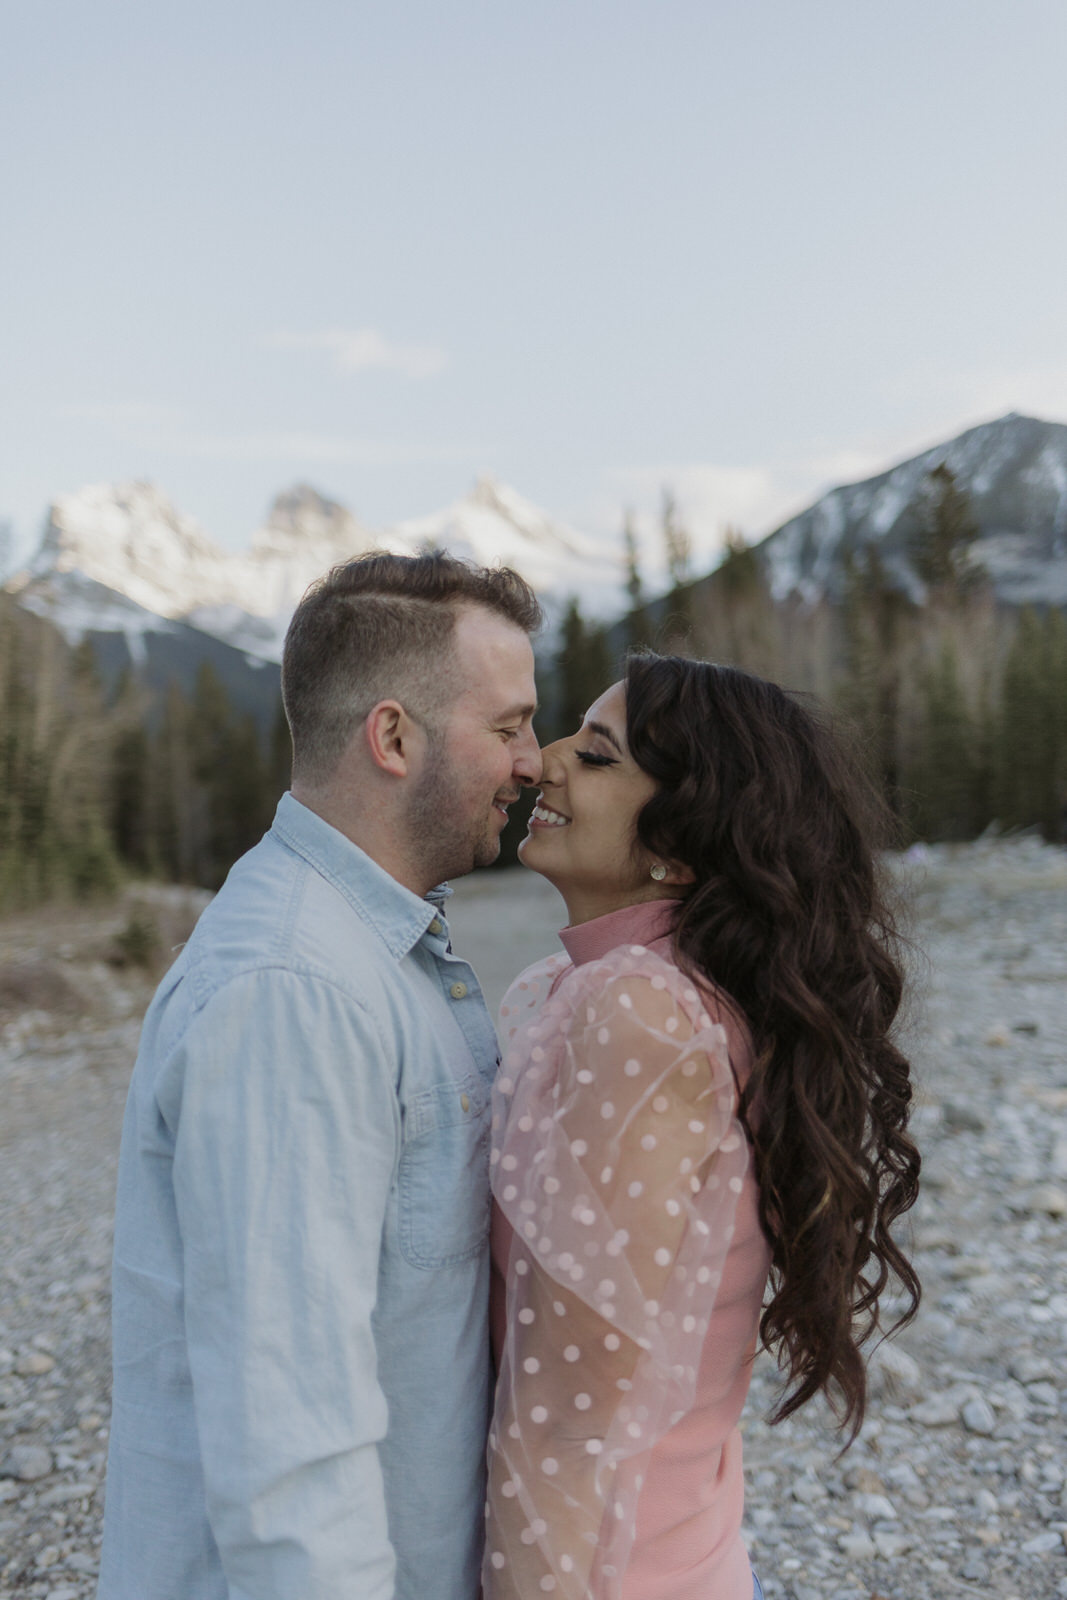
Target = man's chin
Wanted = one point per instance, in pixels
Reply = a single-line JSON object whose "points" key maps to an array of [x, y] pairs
{"points": [[487, 853]]}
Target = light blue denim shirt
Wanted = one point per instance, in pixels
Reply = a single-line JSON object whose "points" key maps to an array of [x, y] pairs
{"points": [[301, 1262]]}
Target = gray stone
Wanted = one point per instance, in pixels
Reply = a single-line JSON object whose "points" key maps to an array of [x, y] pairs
{"points": [[82, 1563], [1048, 1199], [977, 1416], [961, 1117], [34, 1364], [1028, 1367], [64, 1493], [894, 1373], [26, 1462], [875, 1507], [1043, 1544], [857, 1546], [938, 1411]]}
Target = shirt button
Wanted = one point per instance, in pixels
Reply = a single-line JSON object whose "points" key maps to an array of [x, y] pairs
{"points": [[465, 1101], [436, 926], [458, 990]]}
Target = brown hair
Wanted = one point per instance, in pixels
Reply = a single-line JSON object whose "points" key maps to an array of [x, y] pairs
{"points": [[382, 626], [787, 917]]}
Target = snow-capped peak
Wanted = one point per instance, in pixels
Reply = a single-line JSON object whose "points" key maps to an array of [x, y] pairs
{"points": [[128, 540], [494, 525]]}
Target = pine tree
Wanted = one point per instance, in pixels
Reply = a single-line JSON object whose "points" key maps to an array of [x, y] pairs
{"points": [[54, 763], [230, 781], [631, 560], [129, 814], [875, 618], [678, 550], [582, 668], [740, 573], [940, 545], [943, 772], [677, 545], [1030, 788]]}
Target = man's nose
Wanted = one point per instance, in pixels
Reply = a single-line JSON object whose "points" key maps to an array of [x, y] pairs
{"points": [[527, 763]]}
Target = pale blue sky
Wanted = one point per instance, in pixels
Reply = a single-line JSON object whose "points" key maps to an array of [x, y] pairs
{"points": [[748, 249]]}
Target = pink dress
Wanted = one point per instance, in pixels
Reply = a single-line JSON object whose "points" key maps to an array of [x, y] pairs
{"points": [[629, 1269]]}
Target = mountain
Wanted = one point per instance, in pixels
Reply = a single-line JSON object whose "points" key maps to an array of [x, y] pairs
{"points": [[495, 524], [121, 564], [122, 559], [1014, 472]]}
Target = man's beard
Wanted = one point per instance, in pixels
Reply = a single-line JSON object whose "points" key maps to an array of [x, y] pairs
{"points": [[445, 840]]}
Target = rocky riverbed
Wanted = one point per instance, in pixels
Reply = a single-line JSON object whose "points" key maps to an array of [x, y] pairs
{"points": [[956, 1484]]}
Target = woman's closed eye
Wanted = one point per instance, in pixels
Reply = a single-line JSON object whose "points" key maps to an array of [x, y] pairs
{"points": [[589, 758]]}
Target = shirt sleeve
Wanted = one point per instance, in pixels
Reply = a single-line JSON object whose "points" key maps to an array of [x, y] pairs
{"points": [[286, 1143], [618, 1161]]}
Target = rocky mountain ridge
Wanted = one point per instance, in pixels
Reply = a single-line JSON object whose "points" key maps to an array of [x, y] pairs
{"points": [[1014, 474], [122, 558], [120, 561]]}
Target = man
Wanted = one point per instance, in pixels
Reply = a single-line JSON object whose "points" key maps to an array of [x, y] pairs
{"points": [[301, 1263]]}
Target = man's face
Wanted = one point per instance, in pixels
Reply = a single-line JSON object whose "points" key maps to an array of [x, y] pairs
{"points": [[484, 749]]}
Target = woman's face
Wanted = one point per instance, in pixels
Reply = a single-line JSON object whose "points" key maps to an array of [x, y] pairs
{"points": [[582, 834]]}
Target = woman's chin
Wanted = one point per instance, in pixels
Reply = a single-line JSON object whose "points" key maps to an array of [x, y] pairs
{"points": [[529, 853]]}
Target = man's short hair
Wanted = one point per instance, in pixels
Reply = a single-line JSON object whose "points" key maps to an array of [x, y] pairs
{"points": [[377, 628]]}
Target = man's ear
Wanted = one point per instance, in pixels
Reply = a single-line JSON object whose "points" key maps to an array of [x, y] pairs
{"points": [[390, 734]]}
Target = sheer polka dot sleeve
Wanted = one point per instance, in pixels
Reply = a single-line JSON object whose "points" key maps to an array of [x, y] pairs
{"points": [[618, 1160]]}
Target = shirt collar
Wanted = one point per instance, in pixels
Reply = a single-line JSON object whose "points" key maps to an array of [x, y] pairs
{"points": [[397, 915], [640, 924]]}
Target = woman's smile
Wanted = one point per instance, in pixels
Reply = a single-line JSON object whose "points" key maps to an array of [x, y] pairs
{"points": [[593, 774], [543, 816]]}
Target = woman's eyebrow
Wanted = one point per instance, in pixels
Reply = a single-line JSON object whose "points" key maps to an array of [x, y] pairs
{"points": [[605, 733]]}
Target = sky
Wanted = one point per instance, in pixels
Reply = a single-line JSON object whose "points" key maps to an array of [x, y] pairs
{"points": [[593, 248]]}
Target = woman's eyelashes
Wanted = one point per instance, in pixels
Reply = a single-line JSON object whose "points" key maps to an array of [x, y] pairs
{"points": [[589, 758]]}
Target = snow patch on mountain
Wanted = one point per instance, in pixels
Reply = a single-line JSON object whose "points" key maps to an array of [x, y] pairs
{"points": [[1014, 471], [115, 555], [76, 605]]}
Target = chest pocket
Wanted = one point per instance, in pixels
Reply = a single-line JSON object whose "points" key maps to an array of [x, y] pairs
{"points": [[444, 1173]]}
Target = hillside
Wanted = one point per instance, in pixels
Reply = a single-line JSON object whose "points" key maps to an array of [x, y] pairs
{"points": [[1014, 474]]}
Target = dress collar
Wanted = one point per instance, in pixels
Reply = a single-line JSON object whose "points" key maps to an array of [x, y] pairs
{"points": [[640, 924]]}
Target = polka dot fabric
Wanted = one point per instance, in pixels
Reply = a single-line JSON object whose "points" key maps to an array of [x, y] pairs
{"points": [[617, 1159]]}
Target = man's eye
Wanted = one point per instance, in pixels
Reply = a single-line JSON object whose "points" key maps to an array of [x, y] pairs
{"points": [[509, 733], [589, 758]]}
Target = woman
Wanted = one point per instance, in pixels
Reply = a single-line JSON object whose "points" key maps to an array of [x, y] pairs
{"points": [[701, 1092]]}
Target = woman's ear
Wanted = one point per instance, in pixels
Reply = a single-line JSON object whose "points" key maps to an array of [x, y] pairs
{"points": [[679, 876], [672, 874]]}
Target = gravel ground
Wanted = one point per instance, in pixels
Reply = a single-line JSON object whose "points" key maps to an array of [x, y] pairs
{"points": [[955, 1486]]}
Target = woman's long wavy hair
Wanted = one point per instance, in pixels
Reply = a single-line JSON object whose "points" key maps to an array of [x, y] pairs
{"points": [[788, 918]]}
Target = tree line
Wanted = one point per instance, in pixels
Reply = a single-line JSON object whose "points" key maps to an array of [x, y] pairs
{"points": [[958, 705], [98, 783]]}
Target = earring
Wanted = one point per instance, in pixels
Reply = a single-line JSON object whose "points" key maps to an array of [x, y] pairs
{"points": [[658, 872]]}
